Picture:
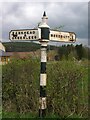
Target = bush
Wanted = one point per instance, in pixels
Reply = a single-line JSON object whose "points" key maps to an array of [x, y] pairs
{"points": [[20, 91], [67, 88]]}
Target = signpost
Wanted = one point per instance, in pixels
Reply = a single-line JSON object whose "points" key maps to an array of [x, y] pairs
{"points": [[43, 34]]}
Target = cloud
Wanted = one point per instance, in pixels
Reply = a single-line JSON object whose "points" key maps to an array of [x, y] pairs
{"points": [[44, 0], [1, 21], [73, 16]]}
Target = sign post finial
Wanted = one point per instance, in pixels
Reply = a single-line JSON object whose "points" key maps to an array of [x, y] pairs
{"points": [[44, 14]]}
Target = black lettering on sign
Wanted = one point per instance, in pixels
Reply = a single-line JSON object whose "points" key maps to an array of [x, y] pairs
{"points": [[21, 32], [24, 35], [33, 32], [27, 32], [51, 35], [14, 34], [35, 37], [20, 37]]}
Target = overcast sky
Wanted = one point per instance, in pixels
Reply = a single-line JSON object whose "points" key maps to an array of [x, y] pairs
{"points": [[25, 14]]}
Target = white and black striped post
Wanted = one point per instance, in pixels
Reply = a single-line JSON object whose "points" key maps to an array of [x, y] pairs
{"points": [[43, 76]]}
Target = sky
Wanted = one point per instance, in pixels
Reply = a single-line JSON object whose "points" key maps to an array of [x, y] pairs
{"points": [[26, 14]]}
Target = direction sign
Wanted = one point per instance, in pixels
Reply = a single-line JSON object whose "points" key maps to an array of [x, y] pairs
{"points": [[57, 36], [35, 34], [28, 34]]}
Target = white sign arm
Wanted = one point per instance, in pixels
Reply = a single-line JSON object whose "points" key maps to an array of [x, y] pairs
{"points": [[57, 36], [29, 34]]}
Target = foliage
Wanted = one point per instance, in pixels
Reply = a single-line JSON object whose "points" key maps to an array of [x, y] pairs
{"points": [[20, 81], [67, 88], [78, 52]]}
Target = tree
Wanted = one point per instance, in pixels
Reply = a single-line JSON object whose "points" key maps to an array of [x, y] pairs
{"points": [[79, 50]]}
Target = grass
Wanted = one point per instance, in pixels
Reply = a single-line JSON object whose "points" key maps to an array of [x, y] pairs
{"points": [[17, 115], [59, 74]]}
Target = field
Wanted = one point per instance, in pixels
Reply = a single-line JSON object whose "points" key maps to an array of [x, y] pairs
{"points": [[67, 89]]}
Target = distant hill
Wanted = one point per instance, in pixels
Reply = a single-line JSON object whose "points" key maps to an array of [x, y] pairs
{"points": [[23, 46]]}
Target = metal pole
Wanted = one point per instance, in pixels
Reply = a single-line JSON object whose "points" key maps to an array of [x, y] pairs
{"points": [[44, 40], [43, 76]]}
